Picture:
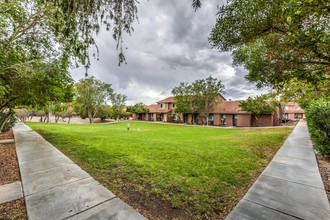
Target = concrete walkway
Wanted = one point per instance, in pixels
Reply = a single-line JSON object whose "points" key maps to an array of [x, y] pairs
{"points": [[290, 187], [10, 192], [56, 188]]}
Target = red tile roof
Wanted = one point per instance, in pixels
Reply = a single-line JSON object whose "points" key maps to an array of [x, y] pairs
{"points": [[155, 109], [228, 107], [167, 100]]}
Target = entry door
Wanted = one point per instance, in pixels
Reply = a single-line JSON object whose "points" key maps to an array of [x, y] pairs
{"points": [[234, 120]]}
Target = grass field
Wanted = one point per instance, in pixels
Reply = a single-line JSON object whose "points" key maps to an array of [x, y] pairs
{"points": [[169, 171]]}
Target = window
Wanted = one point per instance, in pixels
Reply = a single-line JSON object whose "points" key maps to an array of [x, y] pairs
{"points": [[223, 119], [211, 117], [173, 105], [297, 107], [286, 107], [161, 105]]}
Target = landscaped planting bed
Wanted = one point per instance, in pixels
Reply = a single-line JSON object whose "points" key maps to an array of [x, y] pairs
{"points": [[170, 171], [9, 173]]}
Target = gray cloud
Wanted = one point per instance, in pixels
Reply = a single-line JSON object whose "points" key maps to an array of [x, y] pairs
{"points": [[170, 45]]}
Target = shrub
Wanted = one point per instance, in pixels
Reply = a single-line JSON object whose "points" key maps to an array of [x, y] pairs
{"points": [[10, 123], [318, 119]]}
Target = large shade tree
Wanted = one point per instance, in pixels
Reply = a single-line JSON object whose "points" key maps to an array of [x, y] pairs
{"points": [[37, 35], [91, 95], [201, 96], [184, 99], [278, 41], [118, 104]]}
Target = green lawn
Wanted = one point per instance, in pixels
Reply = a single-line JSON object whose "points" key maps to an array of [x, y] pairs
{"points": [[189, 171]]}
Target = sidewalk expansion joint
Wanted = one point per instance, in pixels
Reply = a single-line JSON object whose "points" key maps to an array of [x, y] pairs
{"points": [[64, 165], [297, 158], [52, 188], [89, 208], [24, 161], [276, 210], [315, 187]]}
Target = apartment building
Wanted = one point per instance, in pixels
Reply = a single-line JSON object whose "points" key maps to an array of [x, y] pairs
{"points": [[226, 113]]}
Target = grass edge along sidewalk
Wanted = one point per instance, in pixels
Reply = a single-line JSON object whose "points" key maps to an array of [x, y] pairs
{"points": [[56, 188], [290, 187], [167, 170]]}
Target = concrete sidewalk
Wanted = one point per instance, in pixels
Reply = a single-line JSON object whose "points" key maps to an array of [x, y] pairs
{"points": [[56, 188], [290, 187]]}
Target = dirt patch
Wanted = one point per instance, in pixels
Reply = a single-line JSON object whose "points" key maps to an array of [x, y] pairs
{"points": [[13, 210], [151, 206], [7, 135], [324, 166], [8, 164], [9, 173]]}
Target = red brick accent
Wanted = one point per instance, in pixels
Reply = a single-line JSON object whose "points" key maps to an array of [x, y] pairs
{"points": [[243, 120], [216, 119], [229, 120], [265, 120]]}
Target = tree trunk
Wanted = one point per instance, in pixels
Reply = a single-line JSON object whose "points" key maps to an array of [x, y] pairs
{"points": [[90, 116], [48, 115], [69, 120], [207, 119], [10, 113], [4, 106], [259, 123]]}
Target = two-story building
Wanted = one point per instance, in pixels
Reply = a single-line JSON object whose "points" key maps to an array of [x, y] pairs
{"points": [[292, 111], [226, 113]]}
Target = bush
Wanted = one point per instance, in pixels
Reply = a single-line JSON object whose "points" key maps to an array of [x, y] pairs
{"points": [[10, 123], [318, 119]]}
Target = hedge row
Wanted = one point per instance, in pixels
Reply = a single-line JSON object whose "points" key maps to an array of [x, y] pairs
{"points": [[318, 119]]}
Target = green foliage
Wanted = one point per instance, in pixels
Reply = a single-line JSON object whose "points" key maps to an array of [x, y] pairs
{"points": [[137, 108], [9, 124], [39, 40], [104, 112], [318, 118], [197, 169], [118, 105], [33, 64], [303, 92], [91, 94], [200, 96], [184, 99], [77, 21], [277, 41], [258, 106]]}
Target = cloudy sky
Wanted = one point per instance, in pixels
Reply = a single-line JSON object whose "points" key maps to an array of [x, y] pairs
{"points": [[169, 46]]}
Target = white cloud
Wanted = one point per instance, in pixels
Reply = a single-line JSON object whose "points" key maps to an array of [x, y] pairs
{"points": [[169, 46]]}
